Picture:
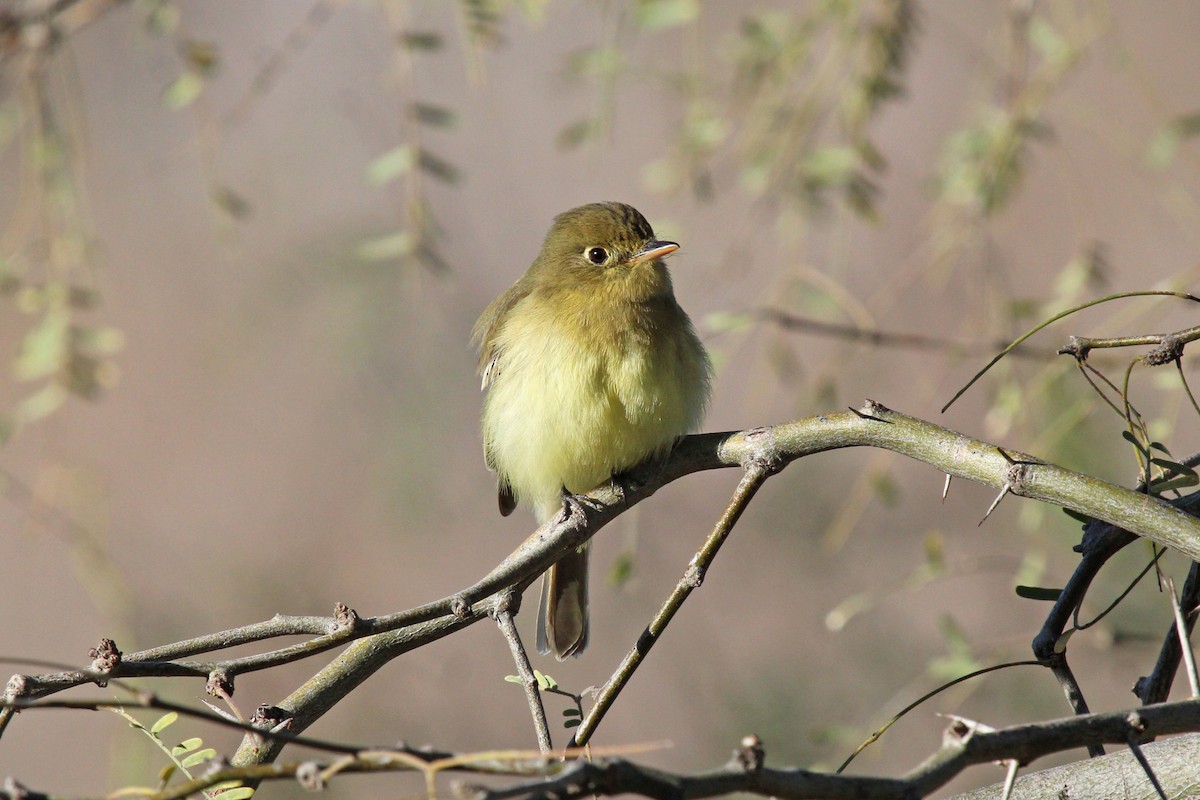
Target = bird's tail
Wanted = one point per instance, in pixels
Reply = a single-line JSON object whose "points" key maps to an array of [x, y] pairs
{"points": [[563, 616]]}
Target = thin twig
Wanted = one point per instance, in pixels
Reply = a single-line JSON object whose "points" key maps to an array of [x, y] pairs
{"points": [[1155, 687], [1185, 644], [504, 619], [754, 477]]}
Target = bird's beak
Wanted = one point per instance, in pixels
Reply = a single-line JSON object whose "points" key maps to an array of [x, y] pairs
{"points": [[652, 250]]}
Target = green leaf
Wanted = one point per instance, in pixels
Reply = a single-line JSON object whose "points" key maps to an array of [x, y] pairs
{"points": [[728, 321], [545, 682], [102, 340], [597, 62], [163, 721], [572, 723], [42, 403], [658, 14], [1174, 467], [513, 678], [386, 248], [421, 40], [1038, 593], [230, 202], [437, 167], [622, 570], [207, 754], [1172, 484], [1133, 440], [885, 488], [201, 56], [1049, 42], [830, 166], [437, 116], [935, 552], [186, 746], [391, 165], [238, 793], [572, 712], [1165, 145], [183, 91], [44, 348], [578, 133]]}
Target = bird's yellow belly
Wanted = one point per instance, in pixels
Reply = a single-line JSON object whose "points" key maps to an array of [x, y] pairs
{"points": [[563, 414]]}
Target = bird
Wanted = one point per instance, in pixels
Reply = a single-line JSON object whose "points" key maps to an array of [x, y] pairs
{"points": [[590, 368]]}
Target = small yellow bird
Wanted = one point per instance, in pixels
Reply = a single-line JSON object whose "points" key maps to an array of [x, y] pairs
{"points": [[591, 368]]}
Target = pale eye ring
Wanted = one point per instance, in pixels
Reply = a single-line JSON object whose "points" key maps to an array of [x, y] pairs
{"points": [[596, 255]]}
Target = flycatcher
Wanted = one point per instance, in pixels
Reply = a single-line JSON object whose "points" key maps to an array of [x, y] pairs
{"points": [[591, 368]]}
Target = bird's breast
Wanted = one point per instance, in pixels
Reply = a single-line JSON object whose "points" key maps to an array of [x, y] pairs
{"points": [[583, 392]]}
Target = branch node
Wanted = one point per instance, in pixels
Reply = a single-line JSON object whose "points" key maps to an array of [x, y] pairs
{"points": [[507, 602], [765, 457], [1077, 348], [693, 577], [460, 606], [16, 687], [345, 618], [751, 754], [871, 411], [1169, 351], [961, 730], [14, 789], [105, 660], [269, 716], [220, 684], [308, 775]]}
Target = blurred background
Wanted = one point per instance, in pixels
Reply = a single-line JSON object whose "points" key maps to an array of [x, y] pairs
{"points": [[243, 245]]}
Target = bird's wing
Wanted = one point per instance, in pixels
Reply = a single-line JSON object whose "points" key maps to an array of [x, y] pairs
{"points": [[488, 325]]}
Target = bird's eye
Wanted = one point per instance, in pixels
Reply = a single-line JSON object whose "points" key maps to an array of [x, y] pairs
{"points": [[597, 255]]}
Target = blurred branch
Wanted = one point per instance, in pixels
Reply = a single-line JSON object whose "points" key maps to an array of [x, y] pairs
{"points": [[913, 341]]}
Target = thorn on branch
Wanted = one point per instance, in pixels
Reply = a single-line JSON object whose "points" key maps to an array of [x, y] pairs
{"points": [[869, 411], [1004, 490], [105, 659], [946, 487], [1136, 749]]}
